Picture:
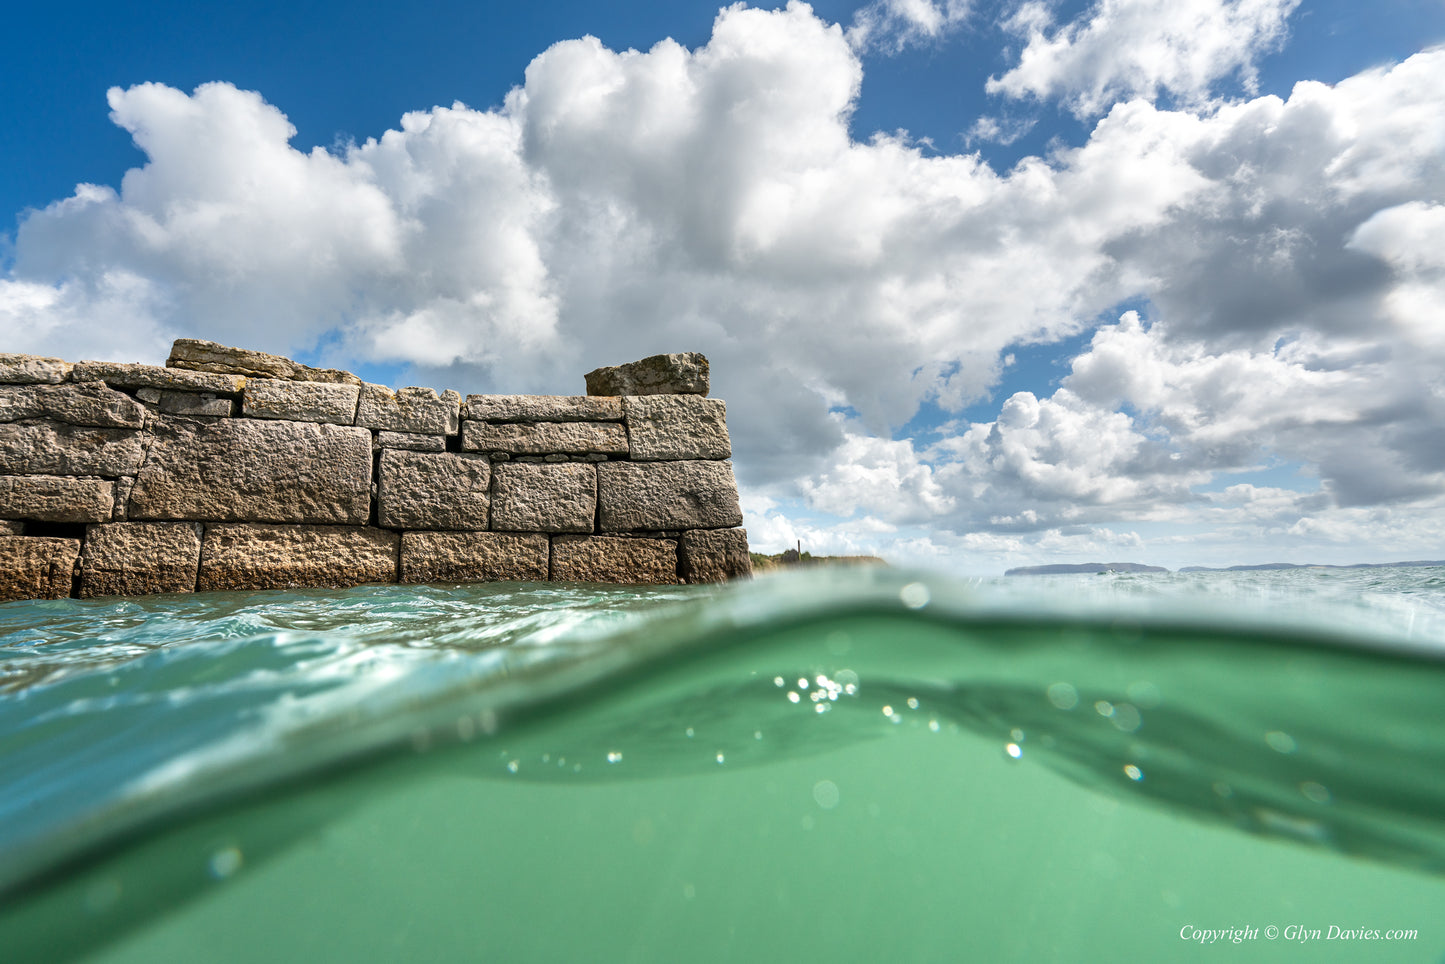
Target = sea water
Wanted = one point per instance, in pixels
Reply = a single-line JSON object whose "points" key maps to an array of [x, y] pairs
{"points": [[832, 765]]}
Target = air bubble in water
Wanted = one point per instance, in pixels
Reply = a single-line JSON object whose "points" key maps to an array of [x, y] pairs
{"points": [[1126, 718], [915, 595], [224, 862], [1280, 742], [1063, 696]]}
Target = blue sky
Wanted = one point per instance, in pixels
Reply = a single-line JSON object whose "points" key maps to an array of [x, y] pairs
{"points": [[1121, 290], [350, 70]]}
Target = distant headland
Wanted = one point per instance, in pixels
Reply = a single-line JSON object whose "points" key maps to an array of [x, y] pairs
{"points": [[1414, 563], [1083, 567], [1098, 567]]}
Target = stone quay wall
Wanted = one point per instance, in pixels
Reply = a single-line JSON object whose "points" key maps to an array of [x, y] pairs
{"points": [[229, 469]]}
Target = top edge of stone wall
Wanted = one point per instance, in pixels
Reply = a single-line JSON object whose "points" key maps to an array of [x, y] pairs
{"points": [[280, 398], [196, 365], [132, 375], [681, 373], [195, 354], [18, 369]]}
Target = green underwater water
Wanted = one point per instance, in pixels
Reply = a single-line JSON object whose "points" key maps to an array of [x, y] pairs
{"points": [[845, 765]]}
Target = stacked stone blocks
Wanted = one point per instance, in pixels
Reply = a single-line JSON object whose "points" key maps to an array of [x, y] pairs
{"points": [[229, 469]]}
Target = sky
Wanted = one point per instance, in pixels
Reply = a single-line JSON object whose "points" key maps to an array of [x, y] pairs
{"points": [[984, 284]]}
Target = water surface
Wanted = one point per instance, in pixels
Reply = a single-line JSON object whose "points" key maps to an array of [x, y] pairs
{"points": [[857, 765]]}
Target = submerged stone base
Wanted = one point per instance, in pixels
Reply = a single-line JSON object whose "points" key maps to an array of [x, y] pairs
{"points": [[39, 568], [614, 559], [293, 557], [138, 558], [474, 557]]}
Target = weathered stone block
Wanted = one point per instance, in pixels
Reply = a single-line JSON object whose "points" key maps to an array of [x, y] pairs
{"points": [[409, 442], [300, 401], [196, 403], [244, 470], [56, 498], [208, 356], [473, 557], [685, 373], [421, 490], [543, 408], [293, 557], [714, 555], [136, 558], [127, 375], [677, 427], [562, 438], [17, 369], [613, 559], [418, 411], [544, 498], [648, 496], [54, 448], [89, 403], [34, 567]]}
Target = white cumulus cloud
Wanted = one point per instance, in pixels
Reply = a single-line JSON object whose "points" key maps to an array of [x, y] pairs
{"points": [[877, 475], [1123, 49], [893, 25]]}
